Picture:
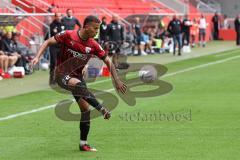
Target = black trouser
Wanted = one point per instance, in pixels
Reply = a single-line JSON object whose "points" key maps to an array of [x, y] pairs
{"points": [[216, 34], [186, 36], [54, 50], [79, 91], [177, 38], [21, 62], [238, 38]]}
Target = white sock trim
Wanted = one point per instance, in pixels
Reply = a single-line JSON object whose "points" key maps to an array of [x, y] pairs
{"points": [[82, 142]]}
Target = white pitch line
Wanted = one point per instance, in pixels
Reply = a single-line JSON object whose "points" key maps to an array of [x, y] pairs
{"points": [[202, 66], [112, 89], [228, 53]]}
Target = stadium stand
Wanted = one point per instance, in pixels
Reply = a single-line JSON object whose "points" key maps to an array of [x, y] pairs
{"points": [[35, 15]]}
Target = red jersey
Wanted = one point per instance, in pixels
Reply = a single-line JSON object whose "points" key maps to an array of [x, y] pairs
{"points": [[75, 52]]}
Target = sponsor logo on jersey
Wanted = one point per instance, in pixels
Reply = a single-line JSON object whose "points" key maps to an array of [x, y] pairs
{"points": [[77, 54]]}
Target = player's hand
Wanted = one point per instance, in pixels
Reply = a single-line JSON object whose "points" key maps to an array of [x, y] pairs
{"points": [[34, 61], [84, 71], [121, 87]]}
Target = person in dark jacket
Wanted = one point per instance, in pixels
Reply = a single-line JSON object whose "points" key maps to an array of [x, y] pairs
{"points": [[55, 27], [137, 30], [186, 25], [116, 35], [175, 29], [70, 21], [103, 31], [216, 25], [7, 48], [22, 51], [237, 29]]}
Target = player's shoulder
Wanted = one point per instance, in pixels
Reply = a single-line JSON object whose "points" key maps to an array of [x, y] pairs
{"points": [[71, 33], [95, 44]]}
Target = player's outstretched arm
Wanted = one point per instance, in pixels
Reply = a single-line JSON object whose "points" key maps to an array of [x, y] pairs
{"points": [[43, 47], [118, 83]]}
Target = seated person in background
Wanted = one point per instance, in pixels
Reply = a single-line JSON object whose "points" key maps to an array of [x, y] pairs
{"points": [[160, 39], [3, 57], [145, 42], [7, 47], [10, 28], [3, 61], [130, 39], [151, 33], [22, 52]]}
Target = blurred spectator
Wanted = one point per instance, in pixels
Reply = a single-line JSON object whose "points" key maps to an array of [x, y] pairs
{"points": [[9, 50], [161, 24], [152, 33], [160, 39], [225, 22], [202, 31], [23, 51], [237, 28], [3, 61], [194, 32], [116, 35], [3, 57], [70, 21], [145, 42], [130, 40], [137, 35], [9, 28], [216, 25], [55, 27], [186, 25], [53, 8], [103, 31], [174, 28], [47, 20]]}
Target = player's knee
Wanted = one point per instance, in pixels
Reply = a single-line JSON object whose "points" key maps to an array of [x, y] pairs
{"points": [[80, 90], [85, 116]]}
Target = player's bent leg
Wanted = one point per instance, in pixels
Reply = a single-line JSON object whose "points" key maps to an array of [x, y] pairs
{"points": [[84, 125], [80, 89]]}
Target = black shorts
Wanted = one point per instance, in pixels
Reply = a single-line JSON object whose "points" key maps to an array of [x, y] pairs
{"points": [[62, 81]]}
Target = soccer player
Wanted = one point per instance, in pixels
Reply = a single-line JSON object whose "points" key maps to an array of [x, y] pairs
{"points": [[77, 47]]}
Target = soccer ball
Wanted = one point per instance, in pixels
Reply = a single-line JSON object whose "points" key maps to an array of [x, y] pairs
{"points": [[148, 74]]}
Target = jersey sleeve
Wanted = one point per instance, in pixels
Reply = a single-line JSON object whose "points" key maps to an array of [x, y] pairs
{"points": [[61, 37], [99, 51]]}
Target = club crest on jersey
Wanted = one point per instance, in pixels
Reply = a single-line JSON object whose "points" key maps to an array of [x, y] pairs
{"points": [[77, 54], [88, 49]]}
